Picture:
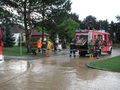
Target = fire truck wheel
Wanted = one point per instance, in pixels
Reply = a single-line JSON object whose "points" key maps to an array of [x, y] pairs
{"points": [[100, 52], [82, 54], [109, 52]]}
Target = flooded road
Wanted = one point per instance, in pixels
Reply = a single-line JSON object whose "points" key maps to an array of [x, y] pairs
{"points": [[57, 73]]}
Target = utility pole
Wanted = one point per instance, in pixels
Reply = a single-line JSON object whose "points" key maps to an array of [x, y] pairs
{"points": [[43, 18]]}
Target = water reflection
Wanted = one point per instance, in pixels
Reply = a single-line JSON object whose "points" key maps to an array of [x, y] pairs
{"points": [[15, 65], [62, 73], [11, 68], [80, 69]]}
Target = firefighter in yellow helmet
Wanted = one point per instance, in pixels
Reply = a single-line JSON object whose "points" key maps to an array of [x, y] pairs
{"points": [[49, 46]]}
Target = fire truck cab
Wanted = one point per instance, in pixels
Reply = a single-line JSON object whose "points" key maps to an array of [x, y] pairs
{"points": [[83, 37]]}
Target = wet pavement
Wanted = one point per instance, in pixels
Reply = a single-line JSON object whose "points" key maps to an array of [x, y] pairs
{"points": [[57, 73]]}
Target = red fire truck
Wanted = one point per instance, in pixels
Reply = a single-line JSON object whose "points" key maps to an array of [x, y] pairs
{"points": [[1, 44], [83, 37]]}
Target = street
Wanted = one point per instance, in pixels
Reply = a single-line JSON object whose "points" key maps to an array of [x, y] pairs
{"points": [[59, 72]]}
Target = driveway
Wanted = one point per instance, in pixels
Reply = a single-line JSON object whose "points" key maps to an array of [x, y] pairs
{"points": [[57, 73]]}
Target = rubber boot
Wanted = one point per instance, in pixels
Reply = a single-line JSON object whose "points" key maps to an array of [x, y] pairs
{"points": [[74, 55], [90, 56], [49, 53]]}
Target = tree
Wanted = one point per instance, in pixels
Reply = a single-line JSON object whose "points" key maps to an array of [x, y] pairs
{"points": [[9, 39], [90, 21], [117, 29], [54, 18], [112, 31], [57, 14], [32, 11], [75, 17], [68, 28], [103, 24], [118, 18]]}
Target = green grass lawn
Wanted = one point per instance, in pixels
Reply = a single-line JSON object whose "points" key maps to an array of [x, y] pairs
{"points": [[111, 63], [16, 51], [116, 45]]}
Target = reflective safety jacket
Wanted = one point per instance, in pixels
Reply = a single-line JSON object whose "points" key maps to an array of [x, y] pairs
{"points": [[39, 44], [49, 45]]}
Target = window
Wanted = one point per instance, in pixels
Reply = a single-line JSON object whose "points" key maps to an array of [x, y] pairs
{"points": [[109, 38], [78, 37], [98, 36]]}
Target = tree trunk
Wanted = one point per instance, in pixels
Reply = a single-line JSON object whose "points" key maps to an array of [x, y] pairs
{"points": [[28, 34], [28, 42]]}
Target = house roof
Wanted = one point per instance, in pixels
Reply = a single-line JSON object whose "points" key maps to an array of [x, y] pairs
{"points": [[38, 33], [17, 29]]}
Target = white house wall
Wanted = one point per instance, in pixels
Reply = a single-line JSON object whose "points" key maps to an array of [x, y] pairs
{"points": [[16, 35]]}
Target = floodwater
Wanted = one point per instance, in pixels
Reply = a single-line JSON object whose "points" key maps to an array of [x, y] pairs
{"points": [[57, 73]]}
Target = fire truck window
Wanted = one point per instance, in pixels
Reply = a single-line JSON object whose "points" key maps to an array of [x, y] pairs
{"points": [[78, 37], [95, 37], [100, 37], [105, 37], [109, 38]]}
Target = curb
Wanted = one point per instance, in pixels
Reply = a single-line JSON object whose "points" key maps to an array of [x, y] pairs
{"points": [[89, 66], [31, 57], [23, 57]]}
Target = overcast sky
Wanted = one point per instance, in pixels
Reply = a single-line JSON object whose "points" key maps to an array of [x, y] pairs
{"points": [[101, 9]]}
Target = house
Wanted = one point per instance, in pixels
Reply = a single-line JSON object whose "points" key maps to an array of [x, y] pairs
{"points": [[36, 35], [19, 34]]}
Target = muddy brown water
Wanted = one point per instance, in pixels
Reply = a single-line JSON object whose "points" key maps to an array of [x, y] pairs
{"points": [[57, 73]]}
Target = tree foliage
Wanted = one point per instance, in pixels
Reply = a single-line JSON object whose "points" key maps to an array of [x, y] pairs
{"points": [[9, 39], [68, 28], [31, 13], [118, 18], [90, 21]]}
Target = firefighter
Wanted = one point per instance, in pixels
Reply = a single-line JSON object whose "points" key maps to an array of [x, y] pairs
{"points": [[39, 45], [44, 45], [72, 48], [59, 47], [97, 48], [55, 47], [91, 48], [49, 46]]}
